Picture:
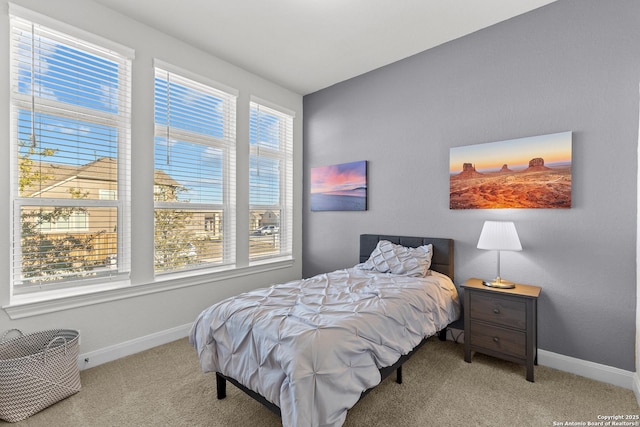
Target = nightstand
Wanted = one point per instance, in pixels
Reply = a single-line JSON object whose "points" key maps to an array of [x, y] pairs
{"points": [[501, 323]]}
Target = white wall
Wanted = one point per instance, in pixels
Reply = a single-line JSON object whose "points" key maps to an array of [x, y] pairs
{"points": [[111, 323]]}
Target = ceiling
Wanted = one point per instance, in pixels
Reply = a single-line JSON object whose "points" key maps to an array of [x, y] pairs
{"points": [[307, 45]]}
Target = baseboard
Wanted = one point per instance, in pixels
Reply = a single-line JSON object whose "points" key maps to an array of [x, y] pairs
{"points": [[594, 371], [127, 348], [591, 370]]}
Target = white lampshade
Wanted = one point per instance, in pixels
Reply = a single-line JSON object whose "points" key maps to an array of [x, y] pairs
{"points": [[499, 236]]}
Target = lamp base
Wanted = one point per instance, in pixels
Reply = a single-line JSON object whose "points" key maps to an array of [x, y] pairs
{"points": [[499, 283]]}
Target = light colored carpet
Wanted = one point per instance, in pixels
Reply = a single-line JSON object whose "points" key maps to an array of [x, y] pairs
{"points": [[165, 387]]}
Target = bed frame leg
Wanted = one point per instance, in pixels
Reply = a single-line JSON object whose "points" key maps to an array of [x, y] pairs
{"points": [[442, 335], [399, 375], [221, 386]]}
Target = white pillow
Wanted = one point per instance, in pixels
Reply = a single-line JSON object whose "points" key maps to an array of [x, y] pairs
{"points": [[388, 257]]}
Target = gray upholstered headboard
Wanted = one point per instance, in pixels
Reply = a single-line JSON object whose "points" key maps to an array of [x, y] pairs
{"points": [[441, 262]]}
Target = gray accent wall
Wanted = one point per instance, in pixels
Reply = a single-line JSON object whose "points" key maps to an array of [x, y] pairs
{"points": [[573, 65]]}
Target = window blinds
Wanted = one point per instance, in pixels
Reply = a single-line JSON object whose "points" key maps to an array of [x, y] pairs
{"points": [[194, 173], [270, 182], [70, 134]]}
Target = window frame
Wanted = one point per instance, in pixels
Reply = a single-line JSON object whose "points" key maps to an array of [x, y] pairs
{"points": [[227, 144], [74, 38], [285, 155]]}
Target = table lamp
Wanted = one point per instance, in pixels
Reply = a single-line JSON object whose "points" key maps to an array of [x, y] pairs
{"points": [[499, 236]]}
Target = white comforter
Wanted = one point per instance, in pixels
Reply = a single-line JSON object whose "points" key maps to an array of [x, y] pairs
{"points": [[313, 346]]}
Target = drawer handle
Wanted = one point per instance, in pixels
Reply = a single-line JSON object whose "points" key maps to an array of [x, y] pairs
{"points": [[496, 340], [496, 310]]}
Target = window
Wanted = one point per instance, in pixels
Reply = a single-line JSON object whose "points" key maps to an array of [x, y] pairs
{"points": [[70, 136], [77, 221], [107, 194], [194, 172], [270, 182]]}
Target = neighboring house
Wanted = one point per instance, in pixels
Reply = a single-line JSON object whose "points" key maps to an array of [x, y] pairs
{"points": [[97, 180], [93, 181], [260, 218]]}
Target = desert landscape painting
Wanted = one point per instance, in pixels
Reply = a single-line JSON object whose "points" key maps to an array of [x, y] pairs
{"points": [[532, 172]]}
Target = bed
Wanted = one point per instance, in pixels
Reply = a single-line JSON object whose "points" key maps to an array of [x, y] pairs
{"points": [[310, 349]]}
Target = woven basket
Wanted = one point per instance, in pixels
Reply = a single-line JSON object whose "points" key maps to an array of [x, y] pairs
{"points": [[36, 371]]}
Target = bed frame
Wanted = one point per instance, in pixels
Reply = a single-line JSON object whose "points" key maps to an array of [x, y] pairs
{"points": [[442, 262]]}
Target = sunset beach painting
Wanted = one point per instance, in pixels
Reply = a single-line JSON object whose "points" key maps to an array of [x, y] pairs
{"points": [[341, 187], [532, 172]]}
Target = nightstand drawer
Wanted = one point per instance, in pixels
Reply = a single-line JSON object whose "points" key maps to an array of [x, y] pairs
{"points": [[500, 310], [499, 339]]}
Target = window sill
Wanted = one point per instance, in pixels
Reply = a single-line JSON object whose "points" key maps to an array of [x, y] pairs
{"points": [[35, 304]]}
